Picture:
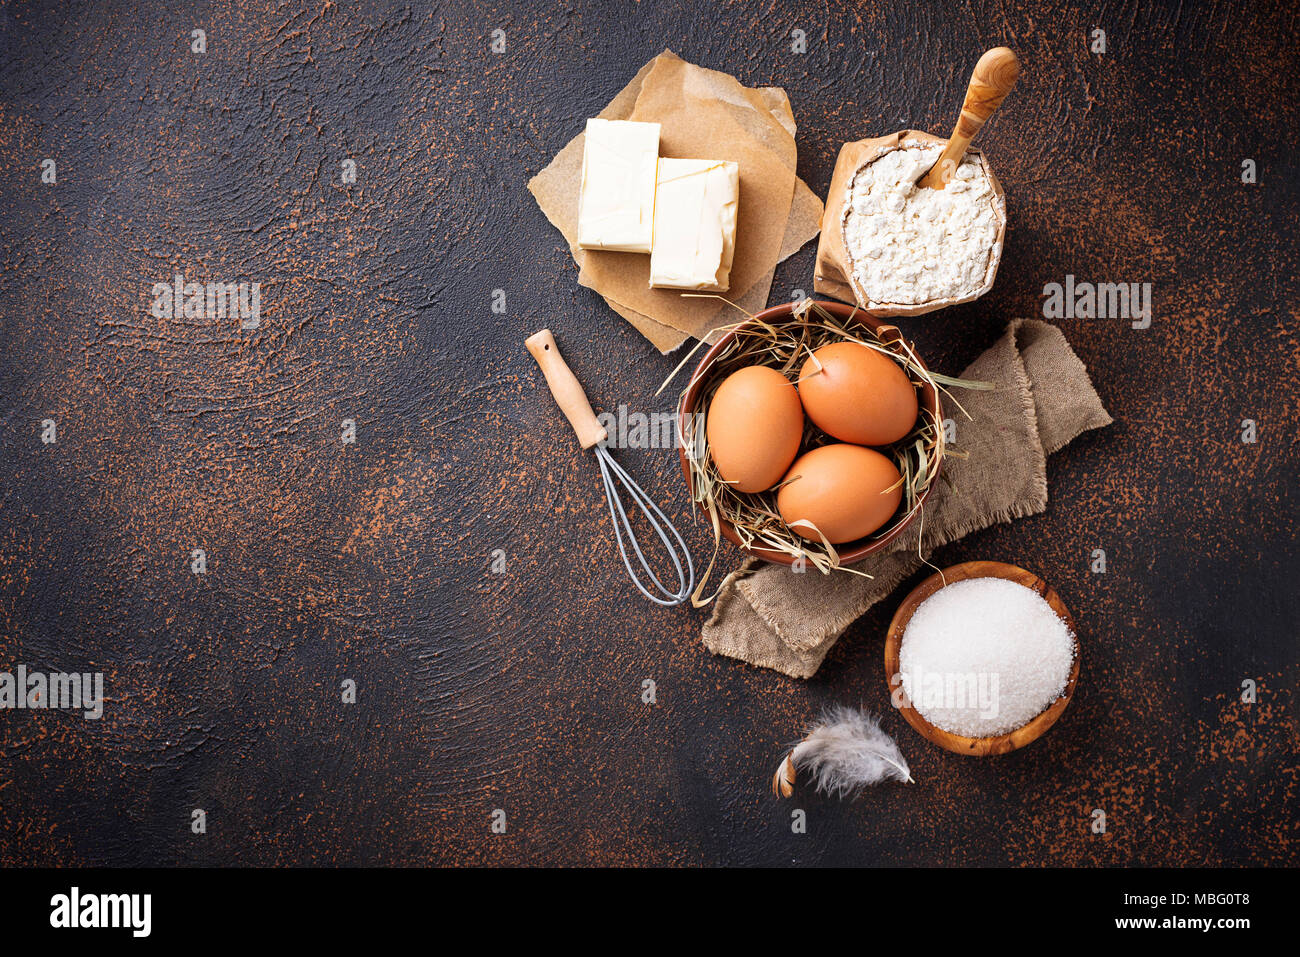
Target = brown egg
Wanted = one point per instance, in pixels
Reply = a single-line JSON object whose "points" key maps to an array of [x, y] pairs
{"points": [[859, 395], [845, 490], [754, 427]]}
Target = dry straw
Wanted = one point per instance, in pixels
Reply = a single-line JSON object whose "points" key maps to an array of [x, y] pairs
{"points": [[786, 347]]}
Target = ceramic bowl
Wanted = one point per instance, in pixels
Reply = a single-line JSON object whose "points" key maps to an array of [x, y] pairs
{"points": [[928, 398]]}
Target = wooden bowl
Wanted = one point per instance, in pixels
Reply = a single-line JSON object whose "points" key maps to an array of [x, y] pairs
{"points": [[928, 398], [959, 744]]}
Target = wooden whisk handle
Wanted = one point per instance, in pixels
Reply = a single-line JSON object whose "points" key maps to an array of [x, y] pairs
{"points": [[994, 76], [566, 388]]}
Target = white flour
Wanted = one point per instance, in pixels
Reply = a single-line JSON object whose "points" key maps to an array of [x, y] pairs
{"points": [[911, 245]]}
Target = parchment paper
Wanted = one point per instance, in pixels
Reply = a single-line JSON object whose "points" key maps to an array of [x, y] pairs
{"points": [[698, 109], [834, 271]]}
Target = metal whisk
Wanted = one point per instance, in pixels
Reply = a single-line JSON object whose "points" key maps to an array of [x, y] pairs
{"points": [[573, 402]]}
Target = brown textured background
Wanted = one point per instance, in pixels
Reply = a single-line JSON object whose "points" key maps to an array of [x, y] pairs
{"points": [[521, 691]]}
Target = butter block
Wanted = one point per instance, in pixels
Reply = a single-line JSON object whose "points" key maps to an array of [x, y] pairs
{"points": [[695, 224], [617, 201]]}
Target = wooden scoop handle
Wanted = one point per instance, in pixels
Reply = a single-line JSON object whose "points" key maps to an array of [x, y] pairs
{"points": [[994, 76], [566, 388]]}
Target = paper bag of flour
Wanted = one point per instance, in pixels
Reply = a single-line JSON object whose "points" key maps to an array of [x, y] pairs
{"points": [[834, 270]]}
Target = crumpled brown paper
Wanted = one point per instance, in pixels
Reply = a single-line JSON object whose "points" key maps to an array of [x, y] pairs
{"points": [[703, 114], [834, 270], [772, 617]]}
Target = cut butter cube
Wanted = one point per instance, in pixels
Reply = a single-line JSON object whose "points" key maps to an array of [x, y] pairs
{"points": [[617, 202], [695, 224]]}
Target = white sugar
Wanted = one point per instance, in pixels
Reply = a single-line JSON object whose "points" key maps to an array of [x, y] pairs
{"points": [[984, 656]]}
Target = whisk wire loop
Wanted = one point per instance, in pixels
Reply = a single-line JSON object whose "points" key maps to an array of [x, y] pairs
{"points": [[611, 473]]}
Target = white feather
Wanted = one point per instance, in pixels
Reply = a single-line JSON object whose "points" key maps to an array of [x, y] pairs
{"points": [[847, 751]]}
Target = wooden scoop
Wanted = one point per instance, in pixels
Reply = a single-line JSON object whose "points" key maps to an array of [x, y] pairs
{"points": [[994, 76]]}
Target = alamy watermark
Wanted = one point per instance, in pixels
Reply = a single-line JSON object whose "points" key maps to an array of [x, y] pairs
{"points": [[628, 429], [76, 909], [211, 300], [947, 690], [1102, 300], [21, 689]]}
